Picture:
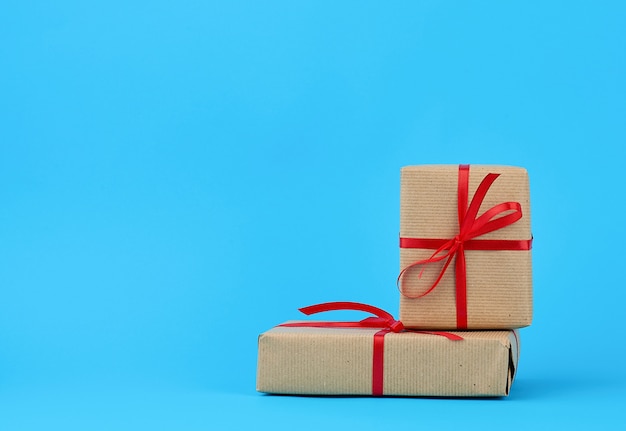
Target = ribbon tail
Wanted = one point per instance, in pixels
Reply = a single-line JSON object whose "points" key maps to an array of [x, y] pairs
{"points": [[449, 335], [345, 305]]}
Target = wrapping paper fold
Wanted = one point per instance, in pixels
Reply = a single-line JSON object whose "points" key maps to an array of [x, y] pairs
{"points": [[339, 361]]}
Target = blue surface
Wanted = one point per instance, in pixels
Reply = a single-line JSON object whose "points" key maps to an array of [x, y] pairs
{"points": [[177, 177]]}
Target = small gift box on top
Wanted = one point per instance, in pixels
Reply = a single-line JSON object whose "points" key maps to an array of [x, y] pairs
{"points": [[465, 247]]}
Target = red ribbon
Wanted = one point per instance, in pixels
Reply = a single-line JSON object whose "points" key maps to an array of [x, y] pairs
{"points": [[383, 320], [470, 226]]}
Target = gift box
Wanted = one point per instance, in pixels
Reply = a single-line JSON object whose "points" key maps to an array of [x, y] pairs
{"points": [[320, 358], [465, 247]]}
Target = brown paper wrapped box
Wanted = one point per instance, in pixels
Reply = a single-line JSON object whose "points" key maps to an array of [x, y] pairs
{"points": [[339, 361], [498, 281]]}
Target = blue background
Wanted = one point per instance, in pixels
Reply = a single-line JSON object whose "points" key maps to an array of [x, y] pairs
{"points": [[178, 177]]}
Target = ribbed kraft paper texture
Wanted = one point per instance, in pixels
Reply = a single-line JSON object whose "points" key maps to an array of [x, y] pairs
{"points": [[315, 361], [499, 282], [333, 361]]}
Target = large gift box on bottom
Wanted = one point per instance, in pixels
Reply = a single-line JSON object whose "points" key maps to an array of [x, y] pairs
{"points": [[465, 247], [344, 361]]}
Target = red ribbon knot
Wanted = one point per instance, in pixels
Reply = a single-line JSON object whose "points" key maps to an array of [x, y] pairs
{"points": [[383, 320], [471, 226]]}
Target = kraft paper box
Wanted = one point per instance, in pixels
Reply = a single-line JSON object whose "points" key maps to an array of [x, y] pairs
{"points": [[493, 290], [339, 361]]}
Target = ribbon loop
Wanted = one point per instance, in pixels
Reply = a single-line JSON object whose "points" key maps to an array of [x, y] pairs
{"points": [[382, 320]]}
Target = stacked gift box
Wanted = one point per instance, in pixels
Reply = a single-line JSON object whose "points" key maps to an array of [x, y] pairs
{"points": [[465, 287]]}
